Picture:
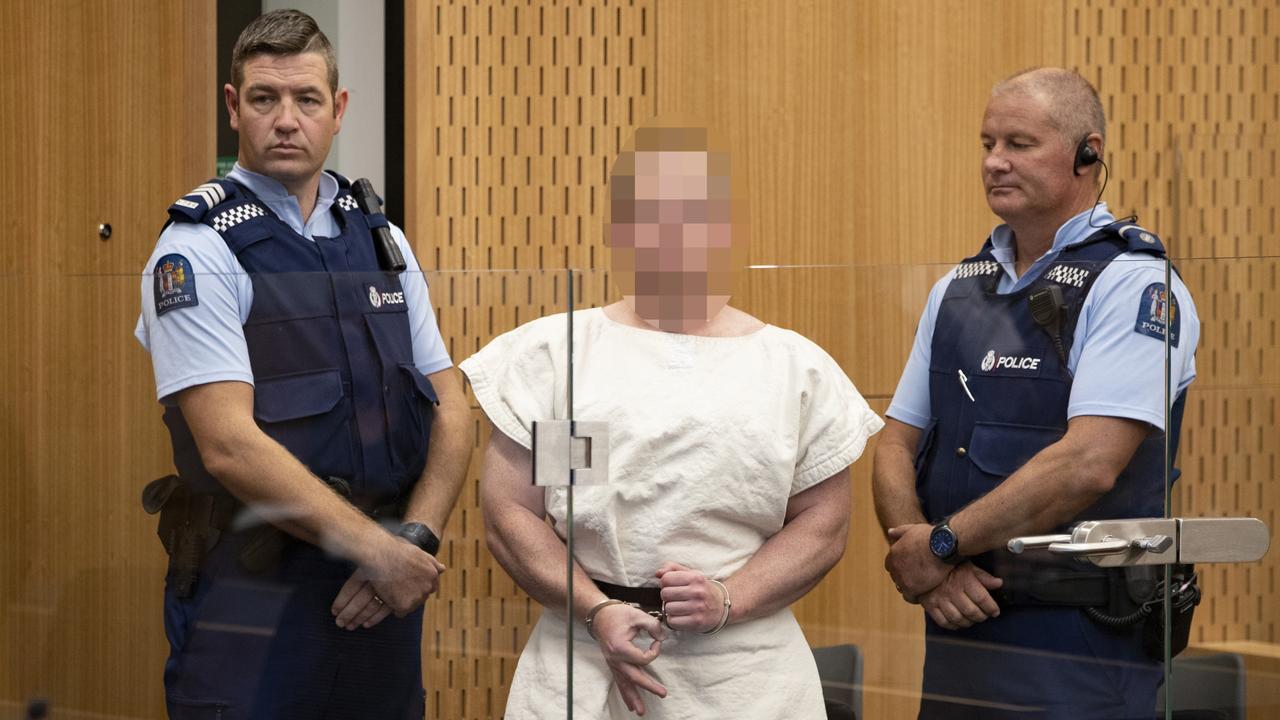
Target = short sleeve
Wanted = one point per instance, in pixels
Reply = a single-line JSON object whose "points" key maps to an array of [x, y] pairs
{"points": [[195, 297], [429, 351], [516, 376], [835, 421], [1120, 343], [911, 402]]}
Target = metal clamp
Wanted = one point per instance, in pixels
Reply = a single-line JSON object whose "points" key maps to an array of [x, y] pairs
{"points": [[568, 452], [1156, 541]]}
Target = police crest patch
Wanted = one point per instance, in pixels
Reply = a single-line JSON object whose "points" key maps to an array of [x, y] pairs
{"points": [[175, 284], [1158, 314]]}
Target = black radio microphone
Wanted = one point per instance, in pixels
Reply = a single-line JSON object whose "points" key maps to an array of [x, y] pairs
{"points": [[389, 257], [1047, 308]]}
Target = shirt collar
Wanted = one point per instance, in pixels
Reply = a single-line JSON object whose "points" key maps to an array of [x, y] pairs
{"points": [[1079, 228], [285, 206]]}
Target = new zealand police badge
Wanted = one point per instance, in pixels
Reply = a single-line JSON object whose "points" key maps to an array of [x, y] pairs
{"points": [[175, 284]]}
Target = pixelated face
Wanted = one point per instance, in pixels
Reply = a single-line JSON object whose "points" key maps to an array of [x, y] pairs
{"points": [[285, 115], [1027, 169], [670, 234]]}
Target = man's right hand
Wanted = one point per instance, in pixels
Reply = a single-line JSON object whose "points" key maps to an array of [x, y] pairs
{"points": [[402, 575], [616, 626], [963, 599]]}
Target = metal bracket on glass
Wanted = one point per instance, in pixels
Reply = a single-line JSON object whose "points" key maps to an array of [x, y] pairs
{"points": [[1157, 541], [568, 452]]}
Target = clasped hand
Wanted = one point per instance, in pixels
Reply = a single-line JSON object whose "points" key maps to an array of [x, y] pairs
{"points": [[398, 581], [955, 597]]}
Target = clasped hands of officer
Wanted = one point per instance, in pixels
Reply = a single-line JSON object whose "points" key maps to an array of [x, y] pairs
{"points": [[954, 596], [690, 601], [396, 579]]}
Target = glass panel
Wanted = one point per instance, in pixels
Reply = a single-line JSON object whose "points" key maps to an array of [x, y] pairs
{"points": [[1226, 199]]}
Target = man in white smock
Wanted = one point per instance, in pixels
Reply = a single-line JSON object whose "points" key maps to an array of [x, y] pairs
{"points": [[728, 494]]}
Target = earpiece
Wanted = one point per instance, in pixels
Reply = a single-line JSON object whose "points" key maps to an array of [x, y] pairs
{"points": [[1085, 155]]}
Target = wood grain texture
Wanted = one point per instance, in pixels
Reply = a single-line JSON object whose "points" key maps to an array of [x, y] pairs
{"points": [[102, 126]]}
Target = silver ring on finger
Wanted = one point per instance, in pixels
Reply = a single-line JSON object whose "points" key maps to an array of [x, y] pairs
{"points": [[378, 599]]}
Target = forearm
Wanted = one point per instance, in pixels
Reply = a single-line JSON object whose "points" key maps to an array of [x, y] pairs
{"points": [[1053, 487], [893, 486], [790, 563], [263, 475], [449, 453], [535, 557]]}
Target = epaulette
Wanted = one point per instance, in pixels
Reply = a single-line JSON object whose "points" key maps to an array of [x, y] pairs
{"points": [[193, 206], [1140, 239]]}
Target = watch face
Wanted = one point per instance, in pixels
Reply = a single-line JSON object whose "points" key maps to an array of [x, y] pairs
{"points": [[942, 542]]}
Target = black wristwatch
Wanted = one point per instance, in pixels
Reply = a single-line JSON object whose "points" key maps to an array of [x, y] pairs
{"points": [[420, 535], [943, 543]]}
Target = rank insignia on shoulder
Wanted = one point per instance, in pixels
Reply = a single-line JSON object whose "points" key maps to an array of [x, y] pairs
{"points": [[196, 203], [1158, 314], [175, 284]]}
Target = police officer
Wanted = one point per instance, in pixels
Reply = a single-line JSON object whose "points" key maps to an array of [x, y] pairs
{"points": [[1033, 396], [301, 385]]}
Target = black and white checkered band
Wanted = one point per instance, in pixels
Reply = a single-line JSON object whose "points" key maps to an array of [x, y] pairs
{"points": [[1067, 275], [347, 202], [976, 268], [236, 215]]}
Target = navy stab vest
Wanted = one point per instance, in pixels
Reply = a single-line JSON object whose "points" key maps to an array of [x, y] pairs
{"points": [[1020, 387], [329, 344]]}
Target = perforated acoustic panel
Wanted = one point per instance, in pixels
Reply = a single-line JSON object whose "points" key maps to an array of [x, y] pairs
{"points": [[515, 110], [1193, 99]]}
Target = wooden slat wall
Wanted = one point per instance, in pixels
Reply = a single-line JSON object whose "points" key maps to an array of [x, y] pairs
{"points": [[515, 111], [101, 125], [1192, 92], [853, 126]]}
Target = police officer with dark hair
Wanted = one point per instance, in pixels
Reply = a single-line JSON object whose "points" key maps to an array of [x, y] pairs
{"points": [[1033, 397], [302, 385]]}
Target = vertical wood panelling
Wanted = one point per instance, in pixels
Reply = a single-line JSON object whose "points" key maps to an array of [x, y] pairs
{"points": [[1192, 92], [855, 127], [515, 111], [108, 116]]}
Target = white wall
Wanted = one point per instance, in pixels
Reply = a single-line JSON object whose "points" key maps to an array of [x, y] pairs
{"points": [[355, 28]]}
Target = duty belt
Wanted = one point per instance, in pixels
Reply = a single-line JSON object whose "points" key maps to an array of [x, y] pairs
{"points": [[1058, 586], [191, 524]]}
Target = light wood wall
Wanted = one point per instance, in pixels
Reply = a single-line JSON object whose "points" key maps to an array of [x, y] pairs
{"points": [[853, 127], [101, 125]]}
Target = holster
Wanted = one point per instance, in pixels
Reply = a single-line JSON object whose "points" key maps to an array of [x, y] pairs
{"points": [[1117, 598], [190, 526]]}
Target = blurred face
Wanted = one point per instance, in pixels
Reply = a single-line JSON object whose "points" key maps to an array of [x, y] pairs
{"points": [[670, 235], [1027, 169], [286, 116]]}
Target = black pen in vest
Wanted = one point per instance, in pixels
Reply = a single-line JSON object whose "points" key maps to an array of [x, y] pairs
{"points": [[389, 257]]}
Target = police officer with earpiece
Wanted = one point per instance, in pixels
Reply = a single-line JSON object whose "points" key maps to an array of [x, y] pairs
{"points": [[1033, 397], [319, 429]]}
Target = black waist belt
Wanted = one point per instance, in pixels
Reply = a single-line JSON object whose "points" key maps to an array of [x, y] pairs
{"points": [[1089, 587], [648, 598]]}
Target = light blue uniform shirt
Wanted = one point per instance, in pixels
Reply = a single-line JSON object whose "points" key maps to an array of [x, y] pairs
{"points": [[204, 343], [1118, 371]]}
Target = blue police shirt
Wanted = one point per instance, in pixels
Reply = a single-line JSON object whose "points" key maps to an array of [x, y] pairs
{"points": [[203, 342], [1117, 368]]}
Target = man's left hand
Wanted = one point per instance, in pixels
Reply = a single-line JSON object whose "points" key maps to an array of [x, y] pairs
{"points": [[690, 599], [358, 605], [914, 568]]}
